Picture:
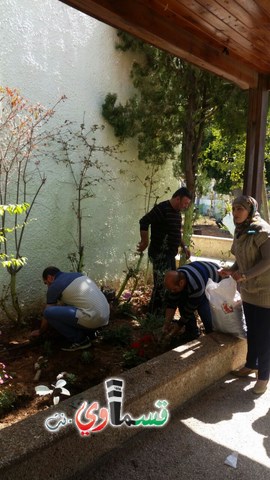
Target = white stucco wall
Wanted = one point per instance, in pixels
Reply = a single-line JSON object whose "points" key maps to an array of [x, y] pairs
{"points": [[48, 50]]}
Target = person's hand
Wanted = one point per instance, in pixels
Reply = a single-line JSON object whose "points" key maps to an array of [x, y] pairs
{"points": [[225, 272], [35, 333], [142, 245], [173, 328], [237, 276], [186, 252]]}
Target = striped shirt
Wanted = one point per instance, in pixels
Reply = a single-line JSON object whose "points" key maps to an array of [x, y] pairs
{"points": [[197, 275], [165, 224]]}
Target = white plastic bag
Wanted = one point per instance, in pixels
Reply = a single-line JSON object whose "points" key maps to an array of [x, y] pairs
{"points": [[226, 307]]}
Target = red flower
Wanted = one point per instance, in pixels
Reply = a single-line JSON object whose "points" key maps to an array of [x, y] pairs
{"points": [[146, 339]]}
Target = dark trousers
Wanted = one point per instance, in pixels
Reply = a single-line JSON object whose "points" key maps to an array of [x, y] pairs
{"points": [[161, 263], [203, 310], [258, 339]]}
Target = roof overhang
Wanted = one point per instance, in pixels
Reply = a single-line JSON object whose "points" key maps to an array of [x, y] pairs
{"points": [[197, 31]]}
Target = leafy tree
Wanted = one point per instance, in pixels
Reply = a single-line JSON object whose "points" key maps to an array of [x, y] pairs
{"points": [[224, 160], [173, 105]]}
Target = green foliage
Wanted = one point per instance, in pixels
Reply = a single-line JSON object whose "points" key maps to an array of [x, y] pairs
{"points": [[87, 357], [10, 261], [267, 151], [71, 378], [24, 142], [158, 135], [7, 400], [118, 336], [132, 359], [13, 209], [171, 114], [151, 322], [120, 116], [224, 161]]}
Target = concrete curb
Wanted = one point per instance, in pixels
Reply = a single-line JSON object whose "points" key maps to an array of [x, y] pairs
{"points": [[29, 451]]}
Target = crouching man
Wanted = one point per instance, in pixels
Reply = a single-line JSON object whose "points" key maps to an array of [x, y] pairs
{"points": [[186, 291], [76, 307]]}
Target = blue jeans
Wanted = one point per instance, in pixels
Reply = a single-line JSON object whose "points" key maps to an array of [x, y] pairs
{"points": [[63, 319], [258, 339]]}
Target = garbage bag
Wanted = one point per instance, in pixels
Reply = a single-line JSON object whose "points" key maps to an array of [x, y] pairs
{"points": [[226, 307]]}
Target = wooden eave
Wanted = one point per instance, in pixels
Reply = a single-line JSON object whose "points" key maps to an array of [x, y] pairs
{"points": [[229, 38]]}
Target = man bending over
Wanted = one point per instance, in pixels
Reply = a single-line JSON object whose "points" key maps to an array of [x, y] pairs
{"points": [[76, 307]]}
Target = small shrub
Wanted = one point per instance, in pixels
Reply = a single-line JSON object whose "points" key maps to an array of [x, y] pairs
{"points": [[7, 400], [87, 357], [118, 336], [71, 378], [132, 359], [151, 322]]}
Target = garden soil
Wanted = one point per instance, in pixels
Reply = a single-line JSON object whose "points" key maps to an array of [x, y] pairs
{"points": [[111, 353]]}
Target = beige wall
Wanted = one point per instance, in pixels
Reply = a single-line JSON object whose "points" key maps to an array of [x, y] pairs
{"points": [[48, 50], [212, 247]]}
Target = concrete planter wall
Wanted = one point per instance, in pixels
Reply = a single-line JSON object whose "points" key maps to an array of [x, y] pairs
{"points": [[212, 247], [175, 376]]}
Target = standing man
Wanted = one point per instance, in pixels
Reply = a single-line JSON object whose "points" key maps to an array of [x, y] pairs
{"points": [[165, 220], [186, 287], [76, 307]]}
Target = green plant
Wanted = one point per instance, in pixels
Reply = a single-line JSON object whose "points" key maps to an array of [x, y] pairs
{"points": [[118, 336], [7, 400], [151, 322], [132, 359], [23, 139], [87, 357], [71, 378], [192, 101], [132, 272]]}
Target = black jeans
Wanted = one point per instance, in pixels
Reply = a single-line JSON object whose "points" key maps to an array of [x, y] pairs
{"points": [[258, 339], [203, 309], [161, 263]]}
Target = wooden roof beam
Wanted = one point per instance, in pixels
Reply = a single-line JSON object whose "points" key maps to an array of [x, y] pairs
{"points": [[139, 20]]}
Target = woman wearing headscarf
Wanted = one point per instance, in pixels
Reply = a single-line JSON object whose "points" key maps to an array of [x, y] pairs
{"points": [[251, 248]]}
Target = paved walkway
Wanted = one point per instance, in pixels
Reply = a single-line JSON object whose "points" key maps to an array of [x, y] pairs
{"points": [[226, 418]]}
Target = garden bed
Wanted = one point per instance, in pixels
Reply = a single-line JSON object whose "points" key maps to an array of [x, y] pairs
{"points": [[129, 339]]}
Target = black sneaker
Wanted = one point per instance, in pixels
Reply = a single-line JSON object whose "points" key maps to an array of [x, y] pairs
{"points": [[78, 346]]}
